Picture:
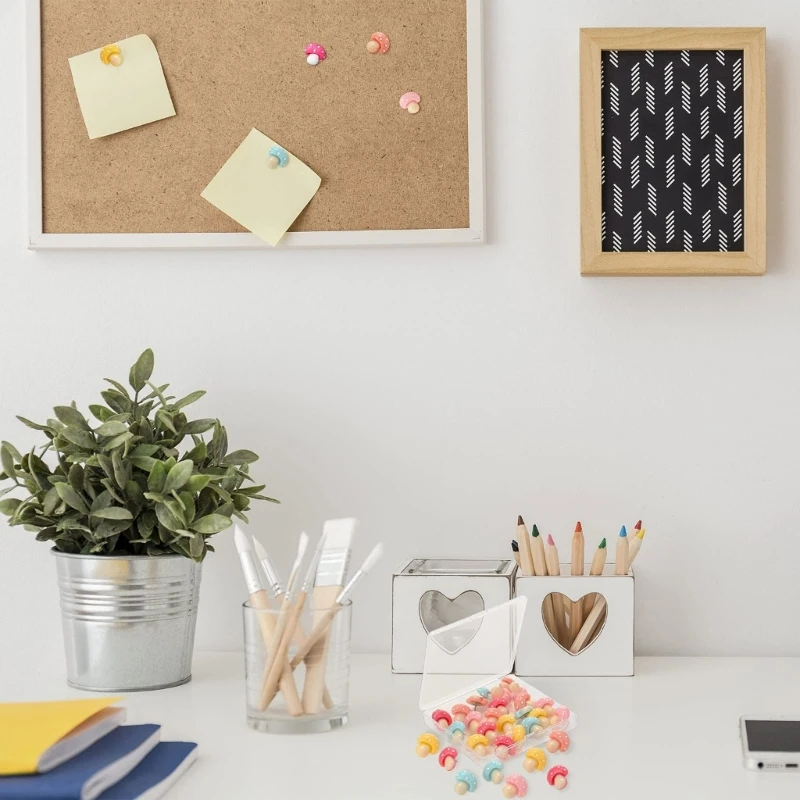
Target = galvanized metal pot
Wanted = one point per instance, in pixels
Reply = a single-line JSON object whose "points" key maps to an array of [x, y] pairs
{"points": [[128, 621]]}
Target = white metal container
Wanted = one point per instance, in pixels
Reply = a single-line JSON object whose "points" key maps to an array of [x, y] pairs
{"points": [[430, 593], [611, 652]]}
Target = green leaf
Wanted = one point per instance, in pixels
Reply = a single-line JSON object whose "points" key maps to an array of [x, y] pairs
{"points": [[7, 460], [103, 500], [121, 475], [169, 520], [241, 501], [197, 483], [142, 370], [135, 497], [112, 428], [198, 453], [13, 450], [178, 476], [145, 450], [213, 523], [164, 418], [111, 527], [80, 437], [118, 441], [47, 535], [188, 400], [189, 510], [71, 497], [116, 401], [101, 412], [106, 465], [75, 477], [157, 477], [71, 417], [118, 386], [218, 490], [143, 462], [112, 512], [197, 426], [251, 491], [196, 547], [35, 425], [112, 490], [241, 457], [9, 506]]}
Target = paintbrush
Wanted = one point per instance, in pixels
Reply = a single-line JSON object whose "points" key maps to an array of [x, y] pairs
{"points": [[329, 582], [282, 648], [266, 619], [276, 588], [321, 628], [285, 608]]}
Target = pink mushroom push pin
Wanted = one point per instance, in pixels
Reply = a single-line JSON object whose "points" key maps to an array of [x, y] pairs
{"points": [[473, 721], [557, 776], [442, 719], [488, 729], [558, 741], [378, 43], [315, 53], [447, 758], [516, 786], [477, 700], [410, 102], [504, 747], [460, 711]]}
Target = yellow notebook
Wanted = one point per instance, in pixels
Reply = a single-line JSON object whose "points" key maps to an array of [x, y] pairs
{"points": [[36, 737]]}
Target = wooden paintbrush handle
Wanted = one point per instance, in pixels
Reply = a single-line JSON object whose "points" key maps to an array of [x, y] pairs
{"points": [[316, 634], [279, 664]]}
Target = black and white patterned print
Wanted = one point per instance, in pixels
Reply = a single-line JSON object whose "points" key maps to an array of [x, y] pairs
{"points": [[673, 150]]}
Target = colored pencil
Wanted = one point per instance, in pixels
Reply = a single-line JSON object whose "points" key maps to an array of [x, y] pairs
{"points": [[559, 609], [515, 551], [596, 616], [576, 612], [621, 554], [540, 569], [598, 565], [524, 541], [635, 546]]}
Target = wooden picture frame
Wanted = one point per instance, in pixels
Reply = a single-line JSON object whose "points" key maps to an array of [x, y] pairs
{"points": [[475, 233], [595, 258]]}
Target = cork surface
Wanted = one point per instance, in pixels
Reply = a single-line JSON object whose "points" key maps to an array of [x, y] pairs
{"points": [[236, 64]]}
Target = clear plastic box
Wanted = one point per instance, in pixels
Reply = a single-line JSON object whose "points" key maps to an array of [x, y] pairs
{"points": [[474, 654]]}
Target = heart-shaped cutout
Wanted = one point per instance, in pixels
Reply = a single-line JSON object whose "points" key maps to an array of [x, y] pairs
{"points": [[437, 610], [574, 625]]}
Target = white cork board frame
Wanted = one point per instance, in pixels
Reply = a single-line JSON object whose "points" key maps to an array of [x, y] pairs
{"points": [[38, 238]]}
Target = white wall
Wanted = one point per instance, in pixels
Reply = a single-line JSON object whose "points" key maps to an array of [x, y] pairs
{"points": [[436, 394]]}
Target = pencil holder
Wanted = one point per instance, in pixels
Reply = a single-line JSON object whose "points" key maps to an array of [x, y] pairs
{"points": [[429, 593], [579, 625], [310, 696]]}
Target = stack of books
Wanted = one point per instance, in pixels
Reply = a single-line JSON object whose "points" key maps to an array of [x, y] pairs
{"points": [[80, 750]]}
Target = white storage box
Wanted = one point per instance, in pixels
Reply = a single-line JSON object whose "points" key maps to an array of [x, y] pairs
{"points": [[610, 652], [429, 593]]}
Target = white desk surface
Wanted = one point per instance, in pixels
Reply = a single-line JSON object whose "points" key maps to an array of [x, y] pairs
{"points": [[670, 732]]}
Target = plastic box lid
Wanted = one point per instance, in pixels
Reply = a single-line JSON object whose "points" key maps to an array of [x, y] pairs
{"points": [[473, 652]]}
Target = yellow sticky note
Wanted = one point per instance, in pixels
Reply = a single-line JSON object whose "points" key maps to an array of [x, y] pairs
{"points": [[265, 201], [115, 99]]}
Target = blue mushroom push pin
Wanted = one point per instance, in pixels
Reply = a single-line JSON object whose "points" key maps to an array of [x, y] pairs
{"points": [[465, 782], [278, 157], [493, 771]]}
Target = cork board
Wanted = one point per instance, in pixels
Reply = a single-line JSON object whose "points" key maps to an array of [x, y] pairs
{"points": [[231, 66]]}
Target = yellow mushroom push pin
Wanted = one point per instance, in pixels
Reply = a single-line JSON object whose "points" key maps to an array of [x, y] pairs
{"points": [[427, 744], [111, 54]]}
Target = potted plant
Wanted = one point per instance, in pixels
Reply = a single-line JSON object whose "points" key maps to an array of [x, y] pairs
{"points": [[129, 502]]}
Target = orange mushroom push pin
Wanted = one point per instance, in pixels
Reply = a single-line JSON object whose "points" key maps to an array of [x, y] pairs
{"points": [[111, 54], [559, 741], [378, 43], [557, 776], [410, 102], [427, 744]]}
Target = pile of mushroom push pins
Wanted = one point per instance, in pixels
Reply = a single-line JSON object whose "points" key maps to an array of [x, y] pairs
{"points": [[496, 722]]}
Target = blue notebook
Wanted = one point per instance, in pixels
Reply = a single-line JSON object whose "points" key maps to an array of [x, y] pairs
{"points": [[159, 770], [91, 772]]}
